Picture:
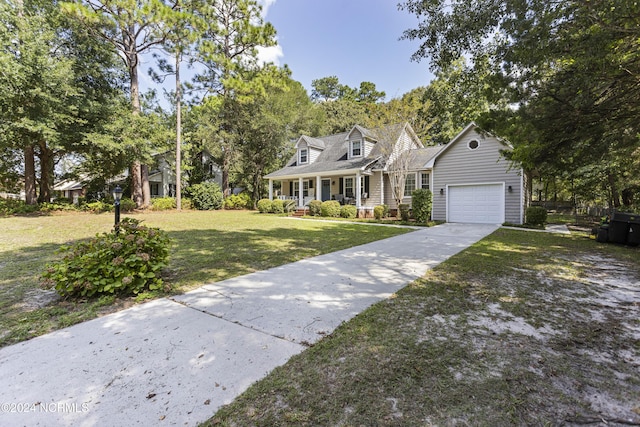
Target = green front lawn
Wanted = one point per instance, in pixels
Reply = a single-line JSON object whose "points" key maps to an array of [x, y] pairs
{"points": [[207, 247], [523, 328]]}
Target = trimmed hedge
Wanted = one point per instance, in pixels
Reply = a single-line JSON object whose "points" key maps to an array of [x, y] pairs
{"points": [[330, 208], [348, 211], [277, 206], [315, 208], [238, 201], [265, 206], [421, 202], [163, 203], [536, 215], [405, 212], [205, 196]]}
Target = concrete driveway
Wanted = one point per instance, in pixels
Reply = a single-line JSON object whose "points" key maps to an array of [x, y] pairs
{"points": [[176, 361]]}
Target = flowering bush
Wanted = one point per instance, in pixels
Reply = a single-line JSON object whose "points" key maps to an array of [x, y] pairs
{"points": [[128, 262]]}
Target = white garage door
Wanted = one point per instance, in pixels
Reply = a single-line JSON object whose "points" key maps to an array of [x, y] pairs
{"points": [[476, 204]]}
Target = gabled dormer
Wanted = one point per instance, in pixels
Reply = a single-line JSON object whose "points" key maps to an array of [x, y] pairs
{"points": [[360, 142], [308, 149]]}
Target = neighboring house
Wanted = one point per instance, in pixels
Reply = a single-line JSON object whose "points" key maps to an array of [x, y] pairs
{"points": [[71, 189], [162, 179], [469, 178]]}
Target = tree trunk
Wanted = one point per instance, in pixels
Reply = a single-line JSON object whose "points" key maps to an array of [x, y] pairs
{"points": [[136, 184], [178, 135], [46, 173], [30, 175], [226, 191], [137, 181], [615, 195], [146, 188]]}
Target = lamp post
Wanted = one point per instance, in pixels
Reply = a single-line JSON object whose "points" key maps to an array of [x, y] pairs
{"points": [[117, 196]]}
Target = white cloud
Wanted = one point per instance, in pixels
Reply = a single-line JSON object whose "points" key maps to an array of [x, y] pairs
{"points": [[266, 4], [270, 54]]}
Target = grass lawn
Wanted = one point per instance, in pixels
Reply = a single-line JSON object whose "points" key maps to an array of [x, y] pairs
{"points": [[206, 247], [523, 328]]}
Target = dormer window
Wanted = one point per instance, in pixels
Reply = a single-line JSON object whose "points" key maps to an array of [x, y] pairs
{"points": [[304, 155], [356, 148]]}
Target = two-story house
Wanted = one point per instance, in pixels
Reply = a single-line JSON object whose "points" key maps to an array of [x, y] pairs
{"points": [[470, 179]]}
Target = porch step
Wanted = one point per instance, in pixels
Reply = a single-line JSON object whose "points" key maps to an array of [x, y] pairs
{"points": [[299, 212]]}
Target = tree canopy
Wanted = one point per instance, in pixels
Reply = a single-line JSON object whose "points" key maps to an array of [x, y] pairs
{"points": [[567, 73]]}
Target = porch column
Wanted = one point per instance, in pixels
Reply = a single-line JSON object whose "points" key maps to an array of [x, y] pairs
{"points": [[270, 189], [358, 189], [300, 193], [318, 188], [382, 187]]}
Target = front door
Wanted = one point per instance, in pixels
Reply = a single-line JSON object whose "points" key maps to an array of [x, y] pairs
{"points": [[326, 189]]}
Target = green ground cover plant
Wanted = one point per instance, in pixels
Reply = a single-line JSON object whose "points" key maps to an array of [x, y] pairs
{"points": [[523, 328], [206, 246]]}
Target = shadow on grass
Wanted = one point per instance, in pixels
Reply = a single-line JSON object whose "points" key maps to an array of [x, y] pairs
{"points": [[197, 256]]}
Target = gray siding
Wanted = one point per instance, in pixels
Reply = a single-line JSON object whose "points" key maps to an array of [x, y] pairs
{"points": [[459, 165]]}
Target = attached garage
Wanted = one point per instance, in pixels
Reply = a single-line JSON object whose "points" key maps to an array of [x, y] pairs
{"points": [[482, 203], [473, 182]]}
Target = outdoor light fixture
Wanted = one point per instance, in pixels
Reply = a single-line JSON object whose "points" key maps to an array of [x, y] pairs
{"points": [[510, 189], [117, 196], [441, 191]]}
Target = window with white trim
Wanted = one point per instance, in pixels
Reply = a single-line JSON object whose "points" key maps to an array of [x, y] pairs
{"points": [[304, 155], [424, 181], [305, 189], [356, 148], [409, 184], [348, 187]]}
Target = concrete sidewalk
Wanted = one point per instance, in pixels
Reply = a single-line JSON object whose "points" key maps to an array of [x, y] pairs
{"points": [[176, 361]]}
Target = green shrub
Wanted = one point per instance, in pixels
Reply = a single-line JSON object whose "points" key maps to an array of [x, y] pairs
{"points": [[405, 211], [98, 206], [58, 205], [315, 208], [348, 211], [421, 202], [378, 212], [289, 205], [330, 208], [128, 262], [163, 203], [127, 204], [536, 215], [13, 207], [185, 203], [265, 206], [238, 201], [277, 206], [205, 196]]}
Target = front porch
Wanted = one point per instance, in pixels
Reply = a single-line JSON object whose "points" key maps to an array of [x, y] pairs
{"points": [[364, 190]]}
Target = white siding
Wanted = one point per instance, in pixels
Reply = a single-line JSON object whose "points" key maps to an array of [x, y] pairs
{"points": [[313, 154], [368, 146], [459, 165]]}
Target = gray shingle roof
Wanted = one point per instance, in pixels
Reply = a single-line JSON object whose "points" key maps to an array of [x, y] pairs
{"points": [[334, 156], [421, 156]]}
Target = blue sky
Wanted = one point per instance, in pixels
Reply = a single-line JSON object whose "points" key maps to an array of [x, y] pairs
{"points": [[355, 40]]}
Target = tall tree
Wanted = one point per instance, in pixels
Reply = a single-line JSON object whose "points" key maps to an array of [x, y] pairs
{"points": [[132, 27], [227, 48], [569, 69], [55, 83], [270, 111]]}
